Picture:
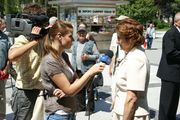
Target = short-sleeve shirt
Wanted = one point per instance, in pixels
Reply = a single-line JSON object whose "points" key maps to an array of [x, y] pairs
{"points": [[151, 32], [28, 65], [49, 67], [132, 74]]}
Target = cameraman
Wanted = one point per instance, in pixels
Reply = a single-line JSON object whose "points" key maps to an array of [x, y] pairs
{"points": [[27, 54]]}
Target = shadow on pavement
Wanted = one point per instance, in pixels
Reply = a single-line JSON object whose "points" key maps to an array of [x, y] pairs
{"points": [[178, 117], [154, 114], [152, 49], [104, 95], [101, 105], [9, 116]]}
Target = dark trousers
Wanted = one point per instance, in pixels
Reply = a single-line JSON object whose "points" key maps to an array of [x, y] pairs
{"points": [[169, 98], [81, 96], [2, 99], [23, 102], [149, 42]]}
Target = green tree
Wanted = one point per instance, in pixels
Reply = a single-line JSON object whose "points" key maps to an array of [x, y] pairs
{"points": [[168, 8], [1, 8], [175, 6], [16, 6], [141, 10], [11, 6], [32, 1]]}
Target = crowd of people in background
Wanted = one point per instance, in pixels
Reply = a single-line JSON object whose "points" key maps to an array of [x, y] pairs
{"points": [[50, 85]]}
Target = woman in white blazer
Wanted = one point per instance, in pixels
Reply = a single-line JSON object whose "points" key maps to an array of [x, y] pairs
{"points": [[131, 74]]}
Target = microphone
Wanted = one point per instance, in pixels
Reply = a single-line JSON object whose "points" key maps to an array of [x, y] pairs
{"points": [[106, 57]]}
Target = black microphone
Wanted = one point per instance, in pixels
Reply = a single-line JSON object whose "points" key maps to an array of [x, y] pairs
{"points": [[105, 58]]}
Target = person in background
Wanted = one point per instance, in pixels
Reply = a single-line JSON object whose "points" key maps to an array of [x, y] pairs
{"points": [[90, 36], [132, 74], [84, 55], [56, 73], [4, 47], [168, 72], [150, 35], [113, 45]]}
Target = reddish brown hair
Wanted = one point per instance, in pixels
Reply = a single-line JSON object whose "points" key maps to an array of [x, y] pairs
{"points": [[132, 31]]}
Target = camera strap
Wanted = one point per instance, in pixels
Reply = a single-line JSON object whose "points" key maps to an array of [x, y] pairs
{"points": [[116, 55], [118, 61]]}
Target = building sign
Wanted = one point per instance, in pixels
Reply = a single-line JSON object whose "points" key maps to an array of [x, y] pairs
{"points": [[87, 1], [96, 11]]}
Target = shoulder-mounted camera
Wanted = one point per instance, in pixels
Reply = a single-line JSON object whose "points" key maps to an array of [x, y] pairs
{"points": [[22, 24]]}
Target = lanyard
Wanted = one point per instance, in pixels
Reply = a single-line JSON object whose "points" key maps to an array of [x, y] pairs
{"points": [[117, 62]]}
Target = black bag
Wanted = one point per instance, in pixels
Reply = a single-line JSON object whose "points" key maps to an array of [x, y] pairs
{"points": [[12, 71], [98, 80]]}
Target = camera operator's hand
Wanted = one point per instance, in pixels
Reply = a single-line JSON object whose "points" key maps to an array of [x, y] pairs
{"points": [[38, 33]]}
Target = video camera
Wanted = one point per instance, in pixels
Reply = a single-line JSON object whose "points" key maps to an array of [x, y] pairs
{"points": [[22, 24]]}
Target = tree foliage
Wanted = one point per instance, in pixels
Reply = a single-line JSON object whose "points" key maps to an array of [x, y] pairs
{"points": [[15, 6], [175, 6], [141, 10], [11, 6], [168, 8]]}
